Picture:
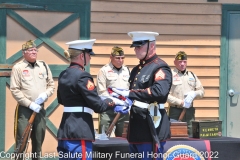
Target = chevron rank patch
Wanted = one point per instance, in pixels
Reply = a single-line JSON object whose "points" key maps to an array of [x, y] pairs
{"points": [[159, 75], [90, 85]]}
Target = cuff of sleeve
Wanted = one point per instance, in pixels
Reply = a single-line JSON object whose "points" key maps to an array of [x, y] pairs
{"points": [[27, 103], [179, 102], [48, 95]]}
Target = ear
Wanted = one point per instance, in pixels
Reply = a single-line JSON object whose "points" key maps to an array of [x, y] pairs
{"points": [[111, 56], [175, 62], [81, 56], [152, 45]]}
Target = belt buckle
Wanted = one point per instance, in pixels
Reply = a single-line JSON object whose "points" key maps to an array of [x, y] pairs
{"points": [[134, 102]]}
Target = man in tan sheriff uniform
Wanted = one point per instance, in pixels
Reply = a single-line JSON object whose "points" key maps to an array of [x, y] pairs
{"points": [[113, 74], [185, 88], [31, 85]]}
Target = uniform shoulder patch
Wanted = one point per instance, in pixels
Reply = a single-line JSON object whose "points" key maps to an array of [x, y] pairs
{"points": [[90, 85], [160, 75]]}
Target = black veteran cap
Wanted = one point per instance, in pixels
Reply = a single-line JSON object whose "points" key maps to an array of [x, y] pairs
{"points": [[141, 37], [82, 45], [117, 51], [28, 44], [181, 55]]}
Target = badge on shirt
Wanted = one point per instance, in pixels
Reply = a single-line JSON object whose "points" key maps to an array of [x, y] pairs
{"points": [[191, 79], [176, 78], [26, 73], [111, 73], [90, 85], [160, 75]]}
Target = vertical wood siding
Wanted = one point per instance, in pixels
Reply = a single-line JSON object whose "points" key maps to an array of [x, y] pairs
{"points": [[193, 27]]}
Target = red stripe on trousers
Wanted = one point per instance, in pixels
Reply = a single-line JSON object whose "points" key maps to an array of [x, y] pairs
{"points": [[83, 149], [155, 150], [208, 146]]}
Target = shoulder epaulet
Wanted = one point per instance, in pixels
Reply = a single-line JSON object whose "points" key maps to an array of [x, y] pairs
{"points": [[173, 70], [128, 69], [19, 62], [106, 65]]}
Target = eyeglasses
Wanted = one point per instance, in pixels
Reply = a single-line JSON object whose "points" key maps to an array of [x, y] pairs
{"points": [[118, 58]]}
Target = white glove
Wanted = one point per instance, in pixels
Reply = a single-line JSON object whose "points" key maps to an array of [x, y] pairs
{"points": [[190, 97], [35, 107], [117, 102], [41, 98], [124, 93], [186, 105], [103, 97]]}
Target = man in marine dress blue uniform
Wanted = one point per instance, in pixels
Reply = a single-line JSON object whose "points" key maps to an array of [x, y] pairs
{"points": [[78, 94], [150, 83]]}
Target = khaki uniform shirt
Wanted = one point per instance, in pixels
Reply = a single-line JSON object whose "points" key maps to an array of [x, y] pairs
{"points": [[28, 82], [109, 76], [181, 85]]}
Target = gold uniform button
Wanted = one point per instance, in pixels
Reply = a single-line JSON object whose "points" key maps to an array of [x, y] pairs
{"points": [[140, 67], [134, 85], [138, 72], [135, 78]]}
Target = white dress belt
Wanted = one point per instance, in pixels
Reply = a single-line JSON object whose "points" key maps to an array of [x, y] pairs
{"points": [[78, 109], [145, 105]]}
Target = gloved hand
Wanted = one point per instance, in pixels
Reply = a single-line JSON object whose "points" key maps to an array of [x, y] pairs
{"points": [[121, 109], [41, 98], [35, 107], [186, 105], [122, 92], [103, 97], [117, 102], [190, 97]]}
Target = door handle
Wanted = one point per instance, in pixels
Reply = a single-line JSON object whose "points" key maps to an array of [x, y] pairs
{"points": [[231, 92]]}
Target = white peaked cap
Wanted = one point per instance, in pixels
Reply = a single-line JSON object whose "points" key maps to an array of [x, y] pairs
{"points": [[143, 35], [81, 44]]}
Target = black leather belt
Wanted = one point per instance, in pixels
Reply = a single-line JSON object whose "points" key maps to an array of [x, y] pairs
{"points": [[176, 106]]}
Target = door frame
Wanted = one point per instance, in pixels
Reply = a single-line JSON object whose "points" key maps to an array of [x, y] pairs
{"points": [[78, 8], [226, 10]]}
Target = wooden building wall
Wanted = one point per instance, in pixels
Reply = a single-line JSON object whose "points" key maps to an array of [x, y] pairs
{"points": [[183, 25]]}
